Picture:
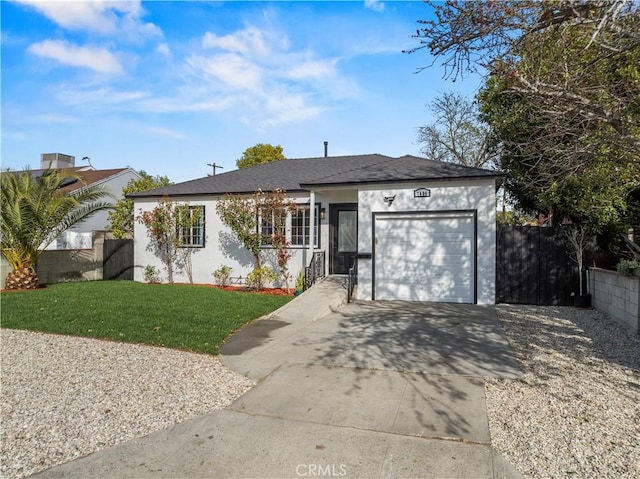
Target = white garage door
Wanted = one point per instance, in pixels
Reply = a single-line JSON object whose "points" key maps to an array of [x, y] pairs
{"points": [[425, 257]]}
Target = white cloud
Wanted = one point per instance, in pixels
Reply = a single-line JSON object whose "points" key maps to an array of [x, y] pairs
{"points": [[8, 39], [313, 69], [272, 81], [253, 73], [102, 97], [250, 42], [231, 69], [164, 50], [287, 107], [375, 5], [98, 16], [187, 102], [95, 58]]}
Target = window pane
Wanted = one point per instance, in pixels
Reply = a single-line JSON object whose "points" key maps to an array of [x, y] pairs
{"points": [[347, 228], [316, 226], [297, 226], [272, 222]]}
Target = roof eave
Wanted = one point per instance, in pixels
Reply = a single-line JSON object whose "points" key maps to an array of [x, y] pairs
{"points": [[143, 195], [398, 181]]}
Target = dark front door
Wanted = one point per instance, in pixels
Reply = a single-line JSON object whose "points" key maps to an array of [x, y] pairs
{"points": [[343, 245]]}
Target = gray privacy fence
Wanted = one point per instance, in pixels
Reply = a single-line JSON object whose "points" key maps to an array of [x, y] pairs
{"points": [[533, 266], [107, 259], [117, 259]]}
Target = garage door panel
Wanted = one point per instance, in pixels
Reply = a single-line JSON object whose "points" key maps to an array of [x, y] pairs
{"points": [[400, 230], [438, 279], [425, 250], [435, 268], [425, 258], [430, 277], [436, 293]]}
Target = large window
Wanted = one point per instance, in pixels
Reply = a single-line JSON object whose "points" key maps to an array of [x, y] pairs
{"points": [[191, 226], [275, 222], [272, 222], [300, 226]]}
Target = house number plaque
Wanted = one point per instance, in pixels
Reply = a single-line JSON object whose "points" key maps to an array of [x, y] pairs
{"points": [[422, 193]]}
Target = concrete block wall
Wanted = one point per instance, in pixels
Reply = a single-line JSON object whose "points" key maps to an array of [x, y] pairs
{"points": [[616, 295], [59, 266]]}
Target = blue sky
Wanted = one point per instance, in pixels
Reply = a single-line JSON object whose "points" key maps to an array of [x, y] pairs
{"points": [[168, 87]]}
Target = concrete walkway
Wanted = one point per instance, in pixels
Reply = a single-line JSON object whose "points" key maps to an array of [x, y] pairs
{"points": [[384, 389]]}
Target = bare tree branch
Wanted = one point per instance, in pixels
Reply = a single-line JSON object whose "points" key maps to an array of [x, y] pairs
{"points": [[456, 135]]}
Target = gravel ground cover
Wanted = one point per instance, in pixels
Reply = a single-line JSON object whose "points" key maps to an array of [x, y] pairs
{"points": [[65, 397], [576, 410]]}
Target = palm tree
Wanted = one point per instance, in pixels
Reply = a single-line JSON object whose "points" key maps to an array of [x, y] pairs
{"points": [[34, 212]]}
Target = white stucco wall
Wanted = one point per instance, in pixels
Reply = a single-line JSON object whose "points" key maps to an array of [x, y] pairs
{"points": [[445, 196], [221, 247], [114, 185]]}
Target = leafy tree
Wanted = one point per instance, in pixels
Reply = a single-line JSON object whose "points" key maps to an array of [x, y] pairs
{"points": [[516, 218], [164, 224], [283, 254], [259, 154], [243, 216], [566, 166], [457, 134], [34, 212], [121, 218], [240, 214], [562, 96]]}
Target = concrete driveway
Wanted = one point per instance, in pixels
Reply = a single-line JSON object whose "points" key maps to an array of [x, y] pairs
{"points": [[385, 389], [396, 367], [436, 338]]}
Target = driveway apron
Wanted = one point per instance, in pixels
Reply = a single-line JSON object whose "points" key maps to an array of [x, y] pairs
{"points": [[367, 389]]}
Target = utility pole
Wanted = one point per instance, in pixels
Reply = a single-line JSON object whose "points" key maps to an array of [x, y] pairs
{"points": [[214, 166]]}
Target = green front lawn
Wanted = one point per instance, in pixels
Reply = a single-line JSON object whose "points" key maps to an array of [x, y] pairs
{"points": [[193, 318]]}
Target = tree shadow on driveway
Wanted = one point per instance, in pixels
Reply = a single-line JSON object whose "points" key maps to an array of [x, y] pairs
{"points": [[437, 354], [435, 338]]}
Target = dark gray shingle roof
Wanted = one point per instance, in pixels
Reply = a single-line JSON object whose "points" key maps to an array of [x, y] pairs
{"points": [[305, 173]]}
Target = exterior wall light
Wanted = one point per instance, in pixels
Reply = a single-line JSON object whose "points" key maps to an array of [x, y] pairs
{"points": [[389, 199]]}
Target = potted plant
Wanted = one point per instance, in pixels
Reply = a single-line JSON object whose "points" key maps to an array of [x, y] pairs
{"points": [[579, 239]]}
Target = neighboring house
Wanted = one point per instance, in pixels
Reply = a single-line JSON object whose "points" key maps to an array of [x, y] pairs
{"points": [[418, 229], [112, 180]]}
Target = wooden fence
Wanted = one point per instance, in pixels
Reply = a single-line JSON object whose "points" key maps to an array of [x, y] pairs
{"points": [[534, 267], [117, 259]]}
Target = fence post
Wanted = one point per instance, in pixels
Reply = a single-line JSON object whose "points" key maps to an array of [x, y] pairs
{"points": [[98, 254]]}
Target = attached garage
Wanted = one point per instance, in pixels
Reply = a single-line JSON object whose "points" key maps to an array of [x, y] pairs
{"points": [[425, 256]]}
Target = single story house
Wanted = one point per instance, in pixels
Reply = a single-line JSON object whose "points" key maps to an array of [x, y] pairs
{"points": [[417, 229]]}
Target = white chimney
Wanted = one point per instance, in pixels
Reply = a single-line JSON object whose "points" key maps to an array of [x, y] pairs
{"points": [[56, 160]]}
